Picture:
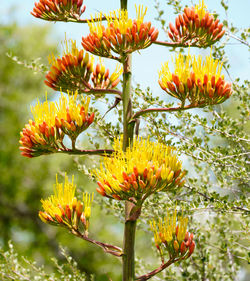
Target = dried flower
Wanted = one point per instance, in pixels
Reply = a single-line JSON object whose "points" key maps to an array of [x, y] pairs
{"points": [[196, 26], [198, 81], [122, 34], [52, 121], [145, 168], [75, 69], [173, 236], [64, 209], [59, 10]]}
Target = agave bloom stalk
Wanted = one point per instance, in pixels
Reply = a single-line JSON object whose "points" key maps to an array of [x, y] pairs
{"points": [[64, 209], [143, 169], [196, 26], [172, 235], [201, 82], [52, 121], [59, 10], [75, 69], [122, 34]]}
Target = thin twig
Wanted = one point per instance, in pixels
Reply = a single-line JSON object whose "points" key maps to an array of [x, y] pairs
{"points": [[237, 38], [176, 44], [213, 199], [107, 248], [158, 270], [101, 152], [102, 91], [164, 109]]}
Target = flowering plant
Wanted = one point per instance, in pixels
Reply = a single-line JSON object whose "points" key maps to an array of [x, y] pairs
{"points": [[136, 168]]}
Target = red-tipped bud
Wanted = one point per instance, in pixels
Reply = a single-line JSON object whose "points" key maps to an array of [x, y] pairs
{"points": [[125, 176], [191, 248], [189, 83], [145, 173], [79, 208], [176, 79], [173, 29], [136, 172], [58, 218], [91, 118], [68, 212], [176, 245], [205, 80], [183, 248], [154, 35], [83, 219]]}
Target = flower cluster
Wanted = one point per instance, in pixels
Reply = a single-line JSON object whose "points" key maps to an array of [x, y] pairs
{"points": [[198, 81], [64, 209], [145, 168], [75, 69], [59, 10], [52, 121], [101, 79], [121, 36], [173, 236], [196, 27]]}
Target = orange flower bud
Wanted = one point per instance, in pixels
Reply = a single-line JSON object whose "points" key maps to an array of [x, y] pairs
{"points": [[68, 212], [183, 248], [145, 173], [191, 248], [79, 208], [136, 172], [189, 83], [176, 79], [205, 80], [154, 35], [58, 218], [142, 184], [176, 245], [170, 35]]}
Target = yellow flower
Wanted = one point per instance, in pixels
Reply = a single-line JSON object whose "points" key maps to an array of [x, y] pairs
{"points": [[122, 34], [200, 81], [75, 70], [101, 78], [201, 9], [196, 27], [54, 10], [144, 168], [173, 235], [52, 120], [64, 194], [64, 209]]}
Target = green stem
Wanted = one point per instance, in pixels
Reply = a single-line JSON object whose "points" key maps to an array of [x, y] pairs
{"points": [[130, 224], [128, 257], [124, 4], [126, 99]]}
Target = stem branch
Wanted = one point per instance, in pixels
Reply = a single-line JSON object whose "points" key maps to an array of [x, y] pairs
{"points": [[100, 152], [164, 109], [156, 271], [107, 248]]}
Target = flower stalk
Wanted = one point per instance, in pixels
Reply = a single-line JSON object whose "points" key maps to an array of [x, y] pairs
{"points": [[130, 225]]}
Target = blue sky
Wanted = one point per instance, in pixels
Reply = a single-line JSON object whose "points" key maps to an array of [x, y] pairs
{"points": [[148, 62]]}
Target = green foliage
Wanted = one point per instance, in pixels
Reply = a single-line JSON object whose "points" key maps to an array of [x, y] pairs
{"points": [[14, 268]]}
